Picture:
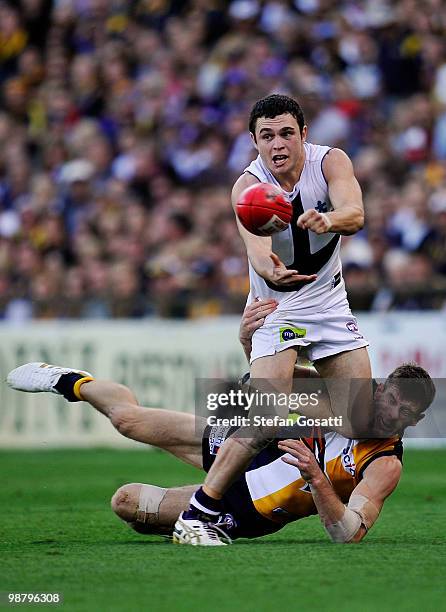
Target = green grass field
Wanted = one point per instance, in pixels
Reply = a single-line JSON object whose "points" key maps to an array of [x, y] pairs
{"points": [[59, 534]]}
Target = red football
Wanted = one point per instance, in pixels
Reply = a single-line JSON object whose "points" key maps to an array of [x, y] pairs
{"points": [[263, 209]]}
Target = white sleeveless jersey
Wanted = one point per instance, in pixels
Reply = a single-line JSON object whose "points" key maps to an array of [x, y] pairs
{"points": [[303, 250]]}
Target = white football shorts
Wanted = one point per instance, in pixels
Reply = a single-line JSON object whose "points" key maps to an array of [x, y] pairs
{"points": [[322, 334]]}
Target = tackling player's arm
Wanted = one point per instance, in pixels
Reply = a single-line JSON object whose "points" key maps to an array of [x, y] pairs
{"points": [[345, 195], [252, 319], [259, 248], [349, 523]]}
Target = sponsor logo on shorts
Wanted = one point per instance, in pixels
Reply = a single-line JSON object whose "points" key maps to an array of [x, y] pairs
{"points": [[217, 436], [353, 327], [291, 333]]}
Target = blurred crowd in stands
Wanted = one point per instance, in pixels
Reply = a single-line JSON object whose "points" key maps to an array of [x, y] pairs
{"points": [[124, 123]]}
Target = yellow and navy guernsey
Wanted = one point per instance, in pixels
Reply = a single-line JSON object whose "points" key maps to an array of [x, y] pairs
{"points": [[272, 493], [280, 494]]}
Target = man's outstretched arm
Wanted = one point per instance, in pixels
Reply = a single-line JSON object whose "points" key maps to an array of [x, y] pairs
{"points": [[349, 523]]}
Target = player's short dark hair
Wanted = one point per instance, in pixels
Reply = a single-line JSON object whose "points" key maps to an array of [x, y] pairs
{"points": [[274, 105], [421, 391]]}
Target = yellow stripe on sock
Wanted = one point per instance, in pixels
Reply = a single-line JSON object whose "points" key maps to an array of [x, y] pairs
{"points": [[78, 384]]}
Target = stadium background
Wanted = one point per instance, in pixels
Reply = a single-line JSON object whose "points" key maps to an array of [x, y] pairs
{"points": [[123, 125]]}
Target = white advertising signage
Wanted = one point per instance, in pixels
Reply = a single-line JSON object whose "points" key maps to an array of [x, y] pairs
{"points": [[160, 361]]}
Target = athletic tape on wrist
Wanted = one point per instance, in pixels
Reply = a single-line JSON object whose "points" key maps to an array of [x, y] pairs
{"points": [[344, 530], [360, 511]]}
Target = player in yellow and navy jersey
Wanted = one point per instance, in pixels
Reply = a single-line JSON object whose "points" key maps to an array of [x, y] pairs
{"points": [[274, 492]]}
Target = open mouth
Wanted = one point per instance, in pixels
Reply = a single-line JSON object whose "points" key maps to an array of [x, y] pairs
{"points": [[279, 160]]}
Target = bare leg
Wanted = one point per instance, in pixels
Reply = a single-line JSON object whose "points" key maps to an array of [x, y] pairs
{"points": [[237, 451], [176, 432], [157, 516], [352, 399]]}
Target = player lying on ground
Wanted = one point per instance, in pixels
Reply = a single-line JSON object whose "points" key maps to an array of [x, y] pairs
{"points": [[345, 481]]}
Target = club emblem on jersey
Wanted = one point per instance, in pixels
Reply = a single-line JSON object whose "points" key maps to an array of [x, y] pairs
{"points": [[321, 207], [291, 333]]}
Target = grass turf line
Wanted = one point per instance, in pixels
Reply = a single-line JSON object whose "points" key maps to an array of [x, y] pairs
{"points": [[59, 534]]}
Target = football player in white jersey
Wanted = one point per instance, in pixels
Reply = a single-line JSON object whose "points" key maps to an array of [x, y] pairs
{"points": [[300, 269]]}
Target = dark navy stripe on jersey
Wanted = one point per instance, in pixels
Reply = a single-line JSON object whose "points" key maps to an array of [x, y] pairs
{"points": [[304, 262]]}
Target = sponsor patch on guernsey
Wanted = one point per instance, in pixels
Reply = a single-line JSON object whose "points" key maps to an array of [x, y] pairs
{"points": [[291, 333]]}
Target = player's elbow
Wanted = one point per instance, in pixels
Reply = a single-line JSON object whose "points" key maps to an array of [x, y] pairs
{"points": [[347, 529], [360, 220], [393, 471]]}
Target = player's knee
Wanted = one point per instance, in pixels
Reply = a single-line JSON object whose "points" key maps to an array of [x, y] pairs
{"points": [[121, 417], [262, 435], [139, 506], [124, 393], [254, 443], [261, 439], [124, 502]]}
